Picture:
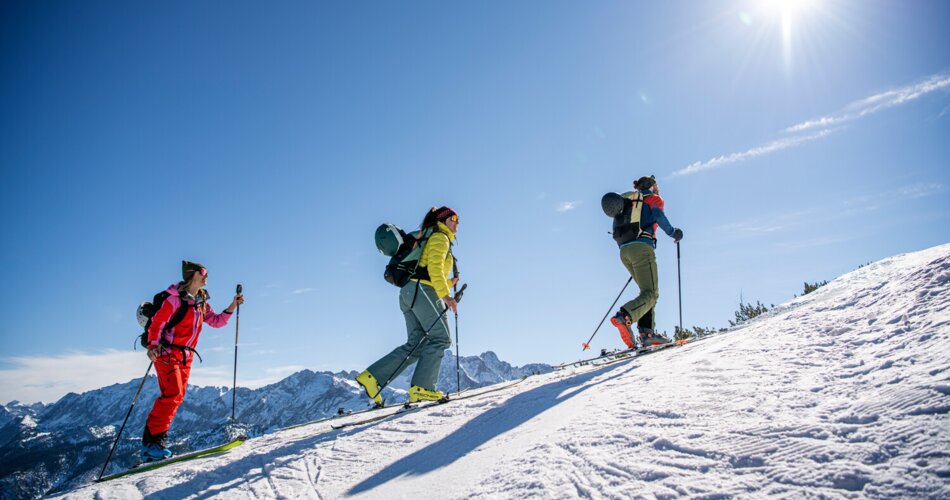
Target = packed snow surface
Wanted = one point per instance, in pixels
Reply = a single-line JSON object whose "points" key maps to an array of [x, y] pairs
{"points": [[841, 393]]}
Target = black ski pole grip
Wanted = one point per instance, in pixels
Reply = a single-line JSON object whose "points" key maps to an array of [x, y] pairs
{"points": [[458, 294], [239, 289]]}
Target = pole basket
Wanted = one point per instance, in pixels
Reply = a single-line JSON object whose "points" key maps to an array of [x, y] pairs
{"points": [[585, 346]]}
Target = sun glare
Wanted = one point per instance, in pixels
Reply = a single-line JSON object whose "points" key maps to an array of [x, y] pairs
{"points": [[785, 7], [786, 12]]}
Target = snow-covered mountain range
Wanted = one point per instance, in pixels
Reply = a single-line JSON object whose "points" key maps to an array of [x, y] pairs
{"points": [[45, 448], [841, 393]]}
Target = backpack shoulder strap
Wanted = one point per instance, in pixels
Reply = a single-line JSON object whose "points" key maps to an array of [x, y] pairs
{"points": [[636, 204], [632, 218], [418, 245], [178, 315]]}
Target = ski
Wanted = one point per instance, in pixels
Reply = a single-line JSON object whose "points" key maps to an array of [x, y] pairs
{"points": [[338, 416], [620, 355], [412, 407], [344, 414], [147, 466], [626, 353]]}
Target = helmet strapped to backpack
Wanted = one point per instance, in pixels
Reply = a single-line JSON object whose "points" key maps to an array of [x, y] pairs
{"points": [[389, 239], [612, 204], [404, 250]]}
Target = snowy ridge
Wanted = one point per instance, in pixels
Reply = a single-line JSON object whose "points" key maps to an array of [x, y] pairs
{"points": [[840, 393]]}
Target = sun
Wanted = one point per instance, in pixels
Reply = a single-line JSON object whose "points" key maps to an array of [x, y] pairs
{"points": [[785, 8], [788, 13]]}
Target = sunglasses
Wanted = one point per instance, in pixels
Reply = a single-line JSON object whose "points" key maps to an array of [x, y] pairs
{"points": [[203, 272]]}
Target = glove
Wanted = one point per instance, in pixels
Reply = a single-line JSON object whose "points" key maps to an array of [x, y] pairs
{"points": [[154, 353], [677, 234]]}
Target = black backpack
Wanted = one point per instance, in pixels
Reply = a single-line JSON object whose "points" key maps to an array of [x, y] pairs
{"points": [[404, 264], [147, 311], [625, 210]]}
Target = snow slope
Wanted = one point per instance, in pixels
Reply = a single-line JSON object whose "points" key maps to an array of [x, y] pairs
{"points": [[45, 449], [841, 393]]}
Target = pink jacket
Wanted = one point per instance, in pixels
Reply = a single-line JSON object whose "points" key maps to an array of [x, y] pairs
{"points": [[186, 332]]}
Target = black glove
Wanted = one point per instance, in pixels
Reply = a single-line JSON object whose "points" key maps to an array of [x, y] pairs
{"points": [[677, 234]]}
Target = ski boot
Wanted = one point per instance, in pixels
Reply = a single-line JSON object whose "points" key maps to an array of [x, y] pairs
{"points": [[622, 321], [368, 381], [649, 338], [417, 394], [154, 452]]}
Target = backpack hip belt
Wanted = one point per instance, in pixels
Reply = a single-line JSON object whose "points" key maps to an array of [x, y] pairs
{"points": [[164, 344]]}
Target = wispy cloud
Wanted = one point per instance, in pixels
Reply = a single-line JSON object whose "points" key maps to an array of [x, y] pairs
{"points": [[758, 226], [34, 378], [845, 208], [762, 225], [567, 206], [816, 241], [776, 145], [920, 190], [302, 290], [818, 128], [875, 103], [222, 376], [46, 379]]}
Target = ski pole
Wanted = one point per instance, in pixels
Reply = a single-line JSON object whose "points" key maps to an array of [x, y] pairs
{"points": [[458, 376], [586, 345], [425, 336], [679, 283], [237, 324], [119, 435]]}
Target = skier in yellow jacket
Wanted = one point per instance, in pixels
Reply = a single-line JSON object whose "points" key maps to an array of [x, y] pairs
{"points": [[423, 302]]}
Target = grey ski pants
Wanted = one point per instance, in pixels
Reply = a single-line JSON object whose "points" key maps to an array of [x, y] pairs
{"points": [[428, 356]]}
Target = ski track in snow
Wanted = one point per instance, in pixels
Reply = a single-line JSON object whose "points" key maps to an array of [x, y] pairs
{"points": [[842, 393]]}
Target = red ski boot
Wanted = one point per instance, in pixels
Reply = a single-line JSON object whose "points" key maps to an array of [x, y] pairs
{"points": [[622, 321]]}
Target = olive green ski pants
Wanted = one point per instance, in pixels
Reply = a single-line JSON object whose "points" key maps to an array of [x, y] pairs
{"points": [[640, 261]]}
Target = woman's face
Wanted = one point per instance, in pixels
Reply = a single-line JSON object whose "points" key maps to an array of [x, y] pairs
{"points": [[452, 223], [200, 278]]}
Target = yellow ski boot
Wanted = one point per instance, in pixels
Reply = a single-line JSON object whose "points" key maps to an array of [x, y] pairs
{"points": [[417, 394], [368, 381]]}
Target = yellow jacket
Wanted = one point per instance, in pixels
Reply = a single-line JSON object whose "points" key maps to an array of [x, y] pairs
{"points": [[437, 258]]}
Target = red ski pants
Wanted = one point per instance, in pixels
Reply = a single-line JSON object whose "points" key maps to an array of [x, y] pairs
{"points": [[172, 381]]}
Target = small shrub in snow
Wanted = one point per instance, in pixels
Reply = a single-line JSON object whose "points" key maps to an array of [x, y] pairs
{"points": [[811, 287], [749, 311]]}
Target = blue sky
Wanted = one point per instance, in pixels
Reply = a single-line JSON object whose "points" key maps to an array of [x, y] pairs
{"points": [[269, 141]]}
